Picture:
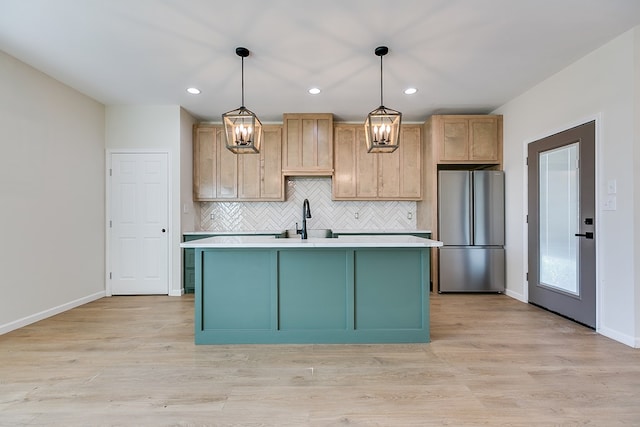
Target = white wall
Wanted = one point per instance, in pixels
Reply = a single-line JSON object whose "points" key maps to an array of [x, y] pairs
{"points": [[187, 206], [602, 85], [636, 180], [52, 192], [188, 221], [144, 128]]}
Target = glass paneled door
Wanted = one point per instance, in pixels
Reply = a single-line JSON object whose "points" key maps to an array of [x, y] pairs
{"points": [[558, 217], [561, 223]]}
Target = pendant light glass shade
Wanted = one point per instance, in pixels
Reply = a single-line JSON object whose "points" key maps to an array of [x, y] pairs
{"points": [[382, 126], [242, 128]]}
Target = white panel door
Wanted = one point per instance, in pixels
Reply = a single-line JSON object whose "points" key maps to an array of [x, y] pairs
{"points": [[139, 218]]}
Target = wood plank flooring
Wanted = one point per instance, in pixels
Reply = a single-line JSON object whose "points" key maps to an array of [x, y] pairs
{"points": [[492, 361]]}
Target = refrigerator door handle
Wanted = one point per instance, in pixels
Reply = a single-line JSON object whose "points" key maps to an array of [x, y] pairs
{"points": [[471, 210]]}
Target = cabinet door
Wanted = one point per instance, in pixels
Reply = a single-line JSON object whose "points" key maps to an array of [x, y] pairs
{"points": [[410, 162], [272, 181], [291, 150], [249, 168], [204, 162], [308, 144], [260, 175], [324, 143], [389, 174], [401, 171], [344, 162], [454, 145], [366, 168], [227, 176], [484, 140]]}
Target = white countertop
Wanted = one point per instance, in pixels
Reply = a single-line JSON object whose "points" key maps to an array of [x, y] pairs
{"points": [[235, 233], [378, 231], [252, 241], [337, 231]]}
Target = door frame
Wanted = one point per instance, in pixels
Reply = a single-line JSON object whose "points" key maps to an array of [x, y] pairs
{"points": [[107, 230], [597, 118]]}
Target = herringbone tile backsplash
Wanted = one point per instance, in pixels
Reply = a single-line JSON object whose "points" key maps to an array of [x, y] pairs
{"points": [[326, 213]]}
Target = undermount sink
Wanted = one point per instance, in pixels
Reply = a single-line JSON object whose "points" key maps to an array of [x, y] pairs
{"points": [[312, 233]]}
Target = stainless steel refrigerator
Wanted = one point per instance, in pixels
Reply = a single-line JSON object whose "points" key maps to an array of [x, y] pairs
{"points": [[471, 227]]}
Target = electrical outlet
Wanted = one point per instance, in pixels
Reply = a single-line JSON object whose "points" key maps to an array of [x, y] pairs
{"points": [[356, 215], [213, 216], [409, 215]]}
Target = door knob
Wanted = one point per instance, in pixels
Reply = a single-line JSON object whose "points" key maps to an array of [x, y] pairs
{"points": [[163, 230], [588, 235]]}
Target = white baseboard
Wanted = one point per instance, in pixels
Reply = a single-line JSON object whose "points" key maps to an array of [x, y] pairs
{"points": [[176, 292], [515, 295], [17, 324], [622, 338], [609, 333]]}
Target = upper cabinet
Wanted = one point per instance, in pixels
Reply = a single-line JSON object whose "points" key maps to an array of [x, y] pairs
{"points": [[467, 139], [271, 179], [220, 175], [307, 144], [360, 175]]}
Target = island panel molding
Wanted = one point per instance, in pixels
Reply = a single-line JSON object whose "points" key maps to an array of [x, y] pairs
{"points": [[350, 289]]}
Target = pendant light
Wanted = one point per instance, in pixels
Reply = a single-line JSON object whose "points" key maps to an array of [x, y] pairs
{"points": [[242, 128], [382, 126]]}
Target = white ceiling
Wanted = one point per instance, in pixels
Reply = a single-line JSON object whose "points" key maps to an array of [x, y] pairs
{"points": [[464, 56]]}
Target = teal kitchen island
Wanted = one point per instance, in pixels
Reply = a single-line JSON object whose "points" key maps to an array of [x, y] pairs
{"points": [[350, 289]]}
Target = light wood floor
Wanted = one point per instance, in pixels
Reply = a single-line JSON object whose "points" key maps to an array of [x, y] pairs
{"points": [[492, 361]]}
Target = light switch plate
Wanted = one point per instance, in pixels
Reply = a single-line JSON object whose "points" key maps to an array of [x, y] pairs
{"points": [[610, 203], [611, 186]]}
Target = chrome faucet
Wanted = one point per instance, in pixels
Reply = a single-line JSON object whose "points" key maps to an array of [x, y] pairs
{"points": [[306, 213]]}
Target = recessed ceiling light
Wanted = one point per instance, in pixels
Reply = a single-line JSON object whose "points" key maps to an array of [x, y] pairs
{"points": [[193, 90], [410, 90], [314, 91]]}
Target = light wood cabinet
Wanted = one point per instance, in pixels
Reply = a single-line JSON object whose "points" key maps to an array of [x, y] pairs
{"points": [[215, 168], [271, 179], [468, 139], [307, 144], [204, 164], [220, 175], [360, 175]]}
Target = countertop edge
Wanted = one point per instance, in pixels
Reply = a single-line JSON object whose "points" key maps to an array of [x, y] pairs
{"points": [[267, 232], [347, 241]]}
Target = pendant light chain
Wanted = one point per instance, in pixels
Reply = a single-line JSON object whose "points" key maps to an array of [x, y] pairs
{"points": [[381, 102], [242, 72]]}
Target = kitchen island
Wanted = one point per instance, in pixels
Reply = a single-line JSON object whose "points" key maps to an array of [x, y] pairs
{"points": [[350, 289]]}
